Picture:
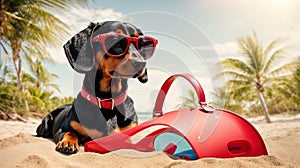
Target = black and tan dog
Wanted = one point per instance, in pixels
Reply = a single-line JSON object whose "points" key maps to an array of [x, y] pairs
{"points": [[108, 54]]}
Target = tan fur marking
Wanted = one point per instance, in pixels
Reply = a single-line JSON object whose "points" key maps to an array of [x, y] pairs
{"points": [[70, 137], [93, 133], [99, 56], [124, 128], [129, 126], [108, 65], [117, 130], [70, 140], [143, 73], [105, 84], [119, 31], [136, 34], [116, 85]]}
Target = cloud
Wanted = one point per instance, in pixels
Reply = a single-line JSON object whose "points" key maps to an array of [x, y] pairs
{"points": [[227, 48], [57, 54], [78, 19], [204, 48], [271, 19]]}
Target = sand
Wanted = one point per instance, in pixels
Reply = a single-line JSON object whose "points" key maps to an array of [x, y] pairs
{"points": [[20, 148]]}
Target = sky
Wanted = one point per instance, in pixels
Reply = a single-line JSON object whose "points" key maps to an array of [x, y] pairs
{"points": [[193, 36]]}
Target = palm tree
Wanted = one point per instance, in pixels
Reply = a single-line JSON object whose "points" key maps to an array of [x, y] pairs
{"points": [[190, 101], [5, 71], [25, 12], [27, 27], [38, 84], [297, 77], [42, 78], [6, 88], [295, 87], [224, 98], [259, 69]]}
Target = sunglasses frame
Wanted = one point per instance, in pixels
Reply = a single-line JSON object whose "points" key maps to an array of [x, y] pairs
{"points": [[103, 37]]}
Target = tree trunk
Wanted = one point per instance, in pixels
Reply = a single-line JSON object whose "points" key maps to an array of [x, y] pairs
{"points": [[264, 106], [2, 18], [21, 84], [17, 59]]}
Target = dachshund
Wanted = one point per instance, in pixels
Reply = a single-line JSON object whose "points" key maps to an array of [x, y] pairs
{"points": [[108, 54]]}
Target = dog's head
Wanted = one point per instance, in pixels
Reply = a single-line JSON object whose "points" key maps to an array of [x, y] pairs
{"points": [[112, 47]]}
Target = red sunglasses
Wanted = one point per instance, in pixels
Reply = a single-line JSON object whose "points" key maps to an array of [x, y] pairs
{"points": [[116, 45]]}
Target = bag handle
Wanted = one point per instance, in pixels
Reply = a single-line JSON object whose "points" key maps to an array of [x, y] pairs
{"points": [[165, 87]]}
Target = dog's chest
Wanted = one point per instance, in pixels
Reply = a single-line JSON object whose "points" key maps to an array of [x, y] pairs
{"points": [[94, 119]]}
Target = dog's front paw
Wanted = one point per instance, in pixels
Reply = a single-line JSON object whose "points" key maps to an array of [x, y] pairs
{"points": [[67, 147]]}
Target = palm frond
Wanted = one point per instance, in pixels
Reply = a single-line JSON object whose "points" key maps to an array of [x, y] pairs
{"points": [[14, 16], [271, 47], [61, 5], [283, 70], [275, 58], [238, 65], [231, 75]]}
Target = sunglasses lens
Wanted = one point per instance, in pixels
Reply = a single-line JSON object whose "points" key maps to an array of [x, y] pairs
{"points": [[146, 47], [116, 45]]}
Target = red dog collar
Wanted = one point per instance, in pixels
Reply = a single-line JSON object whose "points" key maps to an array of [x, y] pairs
{"points": [[108, 103]]}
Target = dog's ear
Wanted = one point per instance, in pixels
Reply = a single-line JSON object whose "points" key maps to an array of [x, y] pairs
{"points": [[144, 77], [79, 51]]}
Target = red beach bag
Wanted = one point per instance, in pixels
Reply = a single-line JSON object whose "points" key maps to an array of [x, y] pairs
{"points": [[189, 134]]}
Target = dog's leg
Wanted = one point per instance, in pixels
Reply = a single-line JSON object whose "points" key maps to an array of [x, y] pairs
{"points": [[46, 127], [67, 142], [117, 130]]}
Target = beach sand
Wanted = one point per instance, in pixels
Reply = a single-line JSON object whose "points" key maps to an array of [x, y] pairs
{"points": [[20, 148]]}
